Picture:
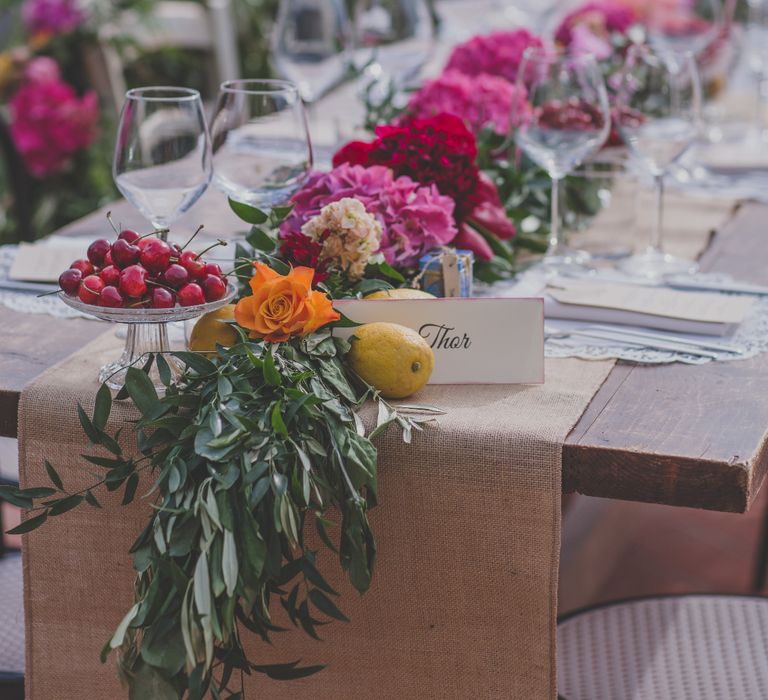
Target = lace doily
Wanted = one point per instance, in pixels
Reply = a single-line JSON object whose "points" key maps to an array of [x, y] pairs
{"points": [[27, 300], [751, 336]]}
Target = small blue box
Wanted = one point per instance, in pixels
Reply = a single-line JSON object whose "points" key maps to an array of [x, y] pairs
{"points": [[446, 272]]}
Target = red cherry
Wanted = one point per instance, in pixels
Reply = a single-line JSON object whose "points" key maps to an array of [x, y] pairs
{"points": [[90, 289], [155, 255], [213, 269], [124, 253], [108, 258], [176, 250], [128, 235], [162, 298], [111, 297], [133, 281], [176, 276], [111, 275], [84, 266], [195, 266], [214, 287], [69, 281], [97, 250], [191, 295]]}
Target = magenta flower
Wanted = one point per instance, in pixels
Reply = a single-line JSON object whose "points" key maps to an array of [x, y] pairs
{"points": [[414, 219], [49, 122], [481, 101], [497, 54], [51, 16], [589, 28]]}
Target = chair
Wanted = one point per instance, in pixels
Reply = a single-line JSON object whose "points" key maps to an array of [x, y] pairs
{"points": [[11, 620], [707, 647], [182, 24]]}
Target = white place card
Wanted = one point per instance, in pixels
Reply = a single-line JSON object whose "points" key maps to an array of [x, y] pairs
{"points": [[475, 341]]}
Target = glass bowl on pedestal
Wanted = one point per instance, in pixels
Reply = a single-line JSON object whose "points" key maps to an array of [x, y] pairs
{"points": [[147, 334]]}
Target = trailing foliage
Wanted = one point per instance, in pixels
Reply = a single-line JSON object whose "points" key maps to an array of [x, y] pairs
{"points": [[247, 450]]}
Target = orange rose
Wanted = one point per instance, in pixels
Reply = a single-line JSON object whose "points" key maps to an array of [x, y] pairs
{"points": [[283, 306]]}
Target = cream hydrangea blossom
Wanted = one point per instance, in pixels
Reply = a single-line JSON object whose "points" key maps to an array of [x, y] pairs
{"points": [[349, 235]]}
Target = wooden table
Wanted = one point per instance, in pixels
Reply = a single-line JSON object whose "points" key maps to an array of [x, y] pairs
{"points": [[675, 434]]}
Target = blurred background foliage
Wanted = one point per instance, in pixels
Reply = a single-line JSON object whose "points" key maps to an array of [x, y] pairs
{"points": [[87, 183]]}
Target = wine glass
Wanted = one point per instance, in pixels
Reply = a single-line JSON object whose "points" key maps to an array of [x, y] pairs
{"points": [[162, 160], [661, 103], [262, 152], [311, 45], [570, 120], [393, 39], [683, 27]]}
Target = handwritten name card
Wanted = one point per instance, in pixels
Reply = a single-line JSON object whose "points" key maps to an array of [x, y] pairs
{"points": [[475, 341]]}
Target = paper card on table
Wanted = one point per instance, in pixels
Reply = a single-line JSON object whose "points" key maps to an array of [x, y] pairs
{"points": [[475, 341], [45, 261], [705, 313]]}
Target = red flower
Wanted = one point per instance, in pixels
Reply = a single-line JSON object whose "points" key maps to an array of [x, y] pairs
{"points": [[442, 151], [302, 251]]}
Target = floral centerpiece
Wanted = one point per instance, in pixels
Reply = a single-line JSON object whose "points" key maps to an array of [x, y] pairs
{"points": [[256, 442]]}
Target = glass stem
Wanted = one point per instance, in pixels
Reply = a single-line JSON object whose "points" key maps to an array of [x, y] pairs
{"points": [[160, 227], [657, 230], [556, 234], [759, 98]]}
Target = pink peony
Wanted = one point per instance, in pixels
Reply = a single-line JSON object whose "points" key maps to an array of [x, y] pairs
{"points": [[51, 16], [414, 219], [49, 122], [589, 28], [481, 101], [496, 54]]}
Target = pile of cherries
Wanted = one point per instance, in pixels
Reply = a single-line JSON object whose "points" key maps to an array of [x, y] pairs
{"points": [[143, 272]]}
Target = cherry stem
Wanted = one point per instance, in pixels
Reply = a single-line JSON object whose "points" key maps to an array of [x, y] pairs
{"points": [[192, 237], [237, 268], [156, 232], [112, 223], [210, 247], [47, 294], [158, 284]]}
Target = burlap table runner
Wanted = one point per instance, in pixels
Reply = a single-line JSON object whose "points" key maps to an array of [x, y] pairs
{"points": [[464, 599]]}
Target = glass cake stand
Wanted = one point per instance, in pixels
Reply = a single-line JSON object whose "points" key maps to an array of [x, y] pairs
{"points": [[147, 333]]}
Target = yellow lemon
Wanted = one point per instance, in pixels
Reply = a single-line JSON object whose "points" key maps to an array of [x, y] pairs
{"points": [[394, 359], [403, 293], [211, 329]]}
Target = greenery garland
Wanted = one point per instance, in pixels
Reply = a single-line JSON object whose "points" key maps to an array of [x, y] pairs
{"points": [[248, 448]]}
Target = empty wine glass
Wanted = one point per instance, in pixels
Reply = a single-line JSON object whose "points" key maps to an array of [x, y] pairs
{"points": [[683, 27], [262, 152], [162, 160], [311, 45], [757, 59], [570, 120], [393, 39], [661, 103]]}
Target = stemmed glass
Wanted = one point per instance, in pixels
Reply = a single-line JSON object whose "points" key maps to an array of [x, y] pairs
{"points": [[393, 39], [661, 100], [683, 27], [262, 152], [570, 120], [162, 160], [311, 45]]}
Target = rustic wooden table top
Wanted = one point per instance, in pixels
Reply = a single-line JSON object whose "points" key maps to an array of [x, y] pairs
{"points": [[676, 434]]}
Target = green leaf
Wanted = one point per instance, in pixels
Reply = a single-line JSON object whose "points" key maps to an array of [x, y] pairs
{"points": [[280, 213], [163, 646], [91, 500], [271, 375], [119, 636], [38, 492], [102, 407], [143, 393], [388, 271], [163, 369], [251, 215], [287, 672], [66, 504], [261, 240], [130, 489], [325, 605], [90, 429], [229, 563], [14, 495], [198, 362], [29, 524], [277, 421]]}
